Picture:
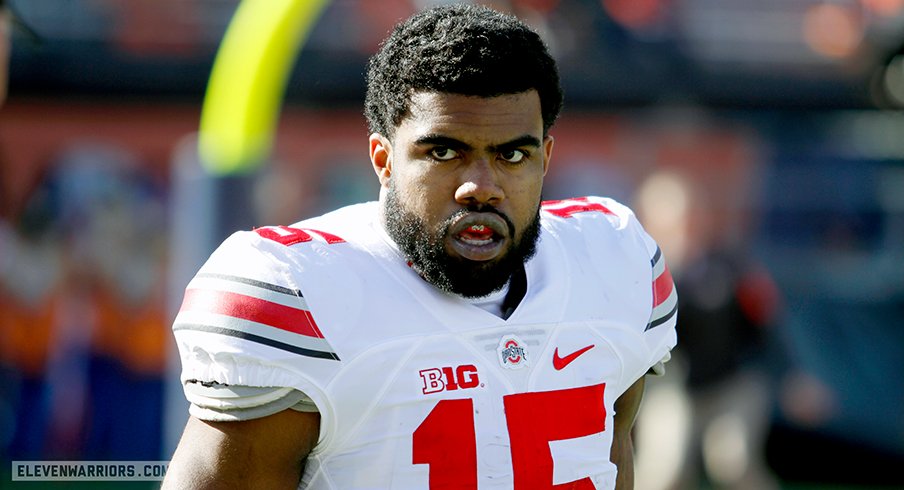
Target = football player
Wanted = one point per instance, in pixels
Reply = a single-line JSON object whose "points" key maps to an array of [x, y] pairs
{"points": [[458, 333]]}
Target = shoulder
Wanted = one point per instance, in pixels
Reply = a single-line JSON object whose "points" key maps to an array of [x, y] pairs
{"points": [[246, 312], [291, 249], [587, 212], [275, 240], [598, 221], [348, 223], [607, 234], [248, 296]]}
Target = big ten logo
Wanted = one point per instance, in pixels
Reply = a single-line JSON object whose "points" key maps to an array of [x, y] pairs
{"points": [[449, 379]]}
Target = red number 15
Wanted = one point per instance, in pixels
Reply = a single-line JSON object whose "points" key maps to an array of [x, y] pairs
{"points": [[446, 439]]}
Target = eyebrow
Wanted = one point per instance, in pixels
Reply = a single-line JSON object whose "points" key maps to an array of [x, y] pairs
{"points": [[440, 140], [525, 140]]}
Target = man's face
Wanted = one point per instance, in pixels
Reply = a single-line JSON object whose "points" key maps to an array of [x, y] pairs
{"points": [[461, 183]]}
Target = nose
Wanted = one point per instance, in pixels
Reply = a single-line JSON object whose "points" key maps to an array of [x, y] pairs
{"points": [[479, 185]]}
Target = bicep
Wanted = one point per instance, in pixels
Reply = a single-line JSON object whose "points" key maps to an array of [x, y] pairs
{"points": [[267, 452], [622, 452]]}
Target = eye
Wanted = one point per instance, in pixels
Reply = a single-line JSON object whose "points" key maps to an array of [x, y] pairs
{"points": [[443, 153], [513, 156]]}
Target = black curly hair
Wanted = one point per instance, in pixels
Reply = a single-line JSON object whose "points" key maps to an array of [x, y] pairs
{"points": [[461, 49]]}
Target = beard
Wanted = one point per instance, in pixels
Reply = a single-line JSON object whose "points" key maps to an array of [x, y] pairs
{"points": [[426, 250]]}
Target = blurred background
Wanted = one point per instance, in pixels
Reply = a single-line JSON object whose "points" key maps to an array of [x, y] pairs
{"points": [[760, 141]]}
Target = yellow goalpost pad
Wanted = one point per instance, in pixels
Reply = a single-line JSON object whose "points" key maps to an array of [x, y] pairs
{"points": [[248, 80]]}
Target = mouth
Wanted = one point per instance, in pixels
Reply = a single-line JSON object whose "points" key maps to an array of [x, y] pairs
{"points": [[478, 236]]}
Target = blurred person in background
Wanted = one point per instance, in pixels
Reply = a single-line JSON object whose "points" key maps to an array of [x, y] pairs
{"points": [[29, 282], [83, 325], [457, 333], [30, 292], [110, 338], [709, 424]]}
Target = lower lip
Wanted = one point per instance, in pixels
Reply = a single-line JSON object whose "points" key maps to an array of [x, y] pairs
{"points": [[477, 251]]}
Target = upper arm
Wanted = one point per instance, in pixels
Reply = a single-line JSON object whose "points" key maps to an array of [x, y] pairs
{"points": [[622, 452], [267, 452]]}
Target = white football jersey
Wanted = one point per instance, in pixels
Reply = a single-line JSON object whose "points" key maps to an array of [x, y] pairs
{"points": [[419, 389]]}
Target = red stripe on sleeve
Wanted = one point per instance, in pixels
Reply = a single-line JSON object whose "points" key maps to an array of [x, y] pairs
{"points": [[236, 305], [662, 287]]}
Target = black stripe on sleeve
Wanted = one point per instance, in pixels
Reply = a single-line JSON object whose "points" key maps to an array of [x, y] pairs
{"points": [[656, 256], [664, 318], [259, 339], [252, 282]]}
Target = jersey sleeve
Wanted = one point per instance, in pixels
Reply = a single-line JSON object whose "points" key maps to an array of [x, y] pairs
{"points": [[224, 403], [659, 333], [247, 340]]}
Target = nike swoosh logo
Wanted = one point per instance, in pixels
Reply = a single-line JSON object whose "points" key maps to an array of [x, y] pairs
{"points": [[560, 362]]}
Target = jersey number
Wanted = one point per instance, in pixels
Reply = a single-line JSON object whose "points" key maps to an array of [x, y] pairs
{"points": [[290, 236], [566, 208], [446, 439]]}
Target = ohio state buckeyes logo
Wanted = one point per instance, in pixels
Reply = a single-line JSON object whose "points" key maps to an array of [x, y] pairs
{"points": [[512, 352]]}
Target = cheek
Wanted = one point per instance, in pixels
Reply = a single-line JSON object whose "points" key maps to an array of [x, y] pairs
{"points": [[422, 193], [525, 200], [526, 189]]}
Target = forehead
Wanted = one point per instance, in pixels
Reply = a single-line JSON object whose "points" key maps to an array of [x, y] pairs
{"points": [[498, 118]]}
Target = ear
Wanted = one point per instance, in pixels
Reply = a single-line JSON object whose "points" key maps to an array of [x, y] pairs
{"points": [[381, 157], [547, 152]]}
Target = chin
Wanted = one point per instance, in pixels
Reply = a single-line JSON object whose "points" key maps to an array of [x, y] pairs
{"points": [[473, 279]]}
